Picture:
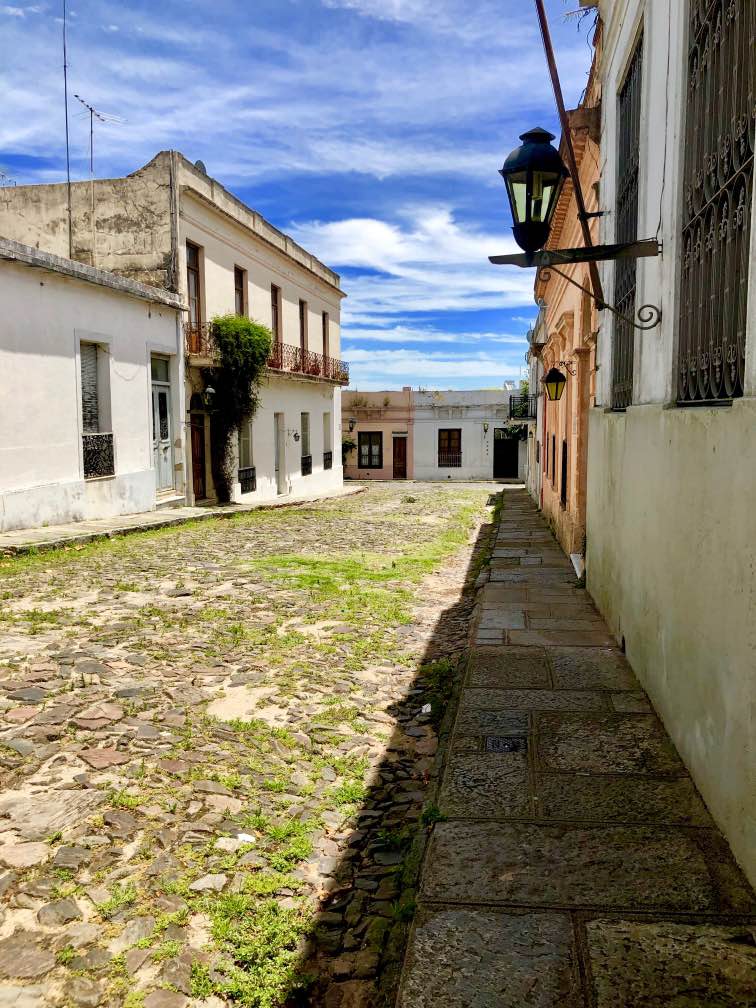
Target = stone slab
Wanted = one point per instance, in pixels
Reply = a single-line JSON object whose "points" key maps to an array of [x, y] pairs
{"points": [[591, 668], [621, 799], [611, 743], [475, 958], [612, 867], [508, 668], [638, 964], [490, 784], [491, 722], [532, 699]]}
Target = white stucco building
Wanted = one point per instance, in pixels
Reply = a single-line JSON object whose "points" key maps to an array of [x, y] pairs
{"points": [[171, 225], [92, 391], [671, 510], [466, 435]]}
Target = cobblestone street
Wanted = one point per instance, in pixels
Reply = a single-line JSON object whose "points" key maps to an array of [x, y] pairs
{"points": [[575, 866], [217, 745]]}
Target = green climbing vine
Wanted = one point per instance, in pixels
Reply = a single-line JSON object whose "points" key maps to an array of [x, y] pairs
{"points": [[243, 347]]}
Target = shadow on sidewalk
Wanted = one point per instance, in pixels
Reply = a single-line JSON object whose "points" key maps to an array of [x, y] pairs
{"points": [[355, 950]]}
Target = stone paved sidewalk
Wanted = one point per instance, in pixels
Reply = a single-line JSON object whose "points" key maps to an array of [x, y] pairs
{"points": [[73, 533], [576, 864]]}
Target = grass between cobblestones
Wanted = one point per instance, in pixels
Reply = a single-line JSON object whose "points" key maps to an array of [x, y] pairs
{"points": [[251, 692]]}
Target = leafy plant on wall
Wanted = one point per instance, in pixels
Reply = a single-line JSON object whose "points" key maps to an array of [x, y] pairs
{"points": [[347, 445], [243, 348]]}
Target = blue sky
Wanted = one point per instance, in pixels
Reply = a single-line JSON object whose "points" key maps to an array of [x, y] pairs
{"points": [[370, 130]]}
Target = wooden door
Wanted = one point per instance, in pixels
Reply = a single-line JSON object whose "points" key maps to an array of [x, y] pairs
{"points": [[400, 458], [198, 456]]}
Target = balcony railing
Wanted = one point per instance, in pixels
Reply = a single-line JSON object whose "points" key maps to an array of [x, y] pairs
{"points": [[283, 357], [248, 480], [523, 407], [328, 460], [449, 460], [307, 465], [99, 459]]}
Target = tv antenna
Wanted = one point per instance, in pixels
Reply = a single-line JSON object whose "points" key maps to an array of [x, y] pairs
{"points": [[103, 117]]}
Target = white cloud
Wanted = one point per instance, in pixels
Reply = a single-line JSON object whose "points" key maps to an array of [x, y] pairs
{"points": [[386, 369], [406, 334], [426, 263]]}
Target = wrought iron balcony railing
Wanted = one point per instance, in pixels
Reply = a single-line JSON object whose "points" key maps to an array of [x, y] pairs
{"points": [[449, 460], [328, 460], [283, 357], [523, 407], [307, 465], [99, 459], [248, 480]]}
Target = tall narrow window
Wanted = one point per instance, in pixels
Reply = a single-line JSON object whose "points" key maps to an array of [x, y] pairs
{"points": [[326, 335], [563, 491], [450, 448], [327, 444], [718, 194], [625, 271], [303, 326], [275, 312], [553, 460], [304, 423], [193, 285], [247, 474], [97, 445], [240, 290]]}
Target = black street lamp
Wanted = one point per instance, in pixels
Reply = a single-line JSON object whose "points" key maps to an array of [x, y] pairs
{"points": [[554, 383], [534, 174]]}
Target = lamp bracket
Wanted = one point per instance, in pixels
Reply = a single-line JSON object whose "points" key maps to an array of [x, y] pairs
{"points": [[567, 365], [595, 253], [590, 215], [649, 316]]}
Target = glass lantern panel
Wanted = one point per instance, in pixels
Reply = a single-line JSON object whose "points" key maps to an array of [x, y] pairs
{"points": [[518, 196]]}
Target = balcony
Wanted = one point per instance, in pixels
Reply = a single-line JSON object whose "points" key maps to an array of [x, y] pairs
{"points": [[283, 358], [449, 460], [99, 459], [523, 407]]}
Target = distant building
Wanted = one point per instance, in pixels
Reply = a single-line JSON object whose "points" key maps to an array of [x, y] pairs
{"points": [[170, 225], [450, 435], [92, 404]]}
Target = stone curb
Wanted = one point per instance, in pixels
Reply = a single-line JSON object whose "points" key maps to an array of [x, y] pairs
{"points": [[224, 511]]}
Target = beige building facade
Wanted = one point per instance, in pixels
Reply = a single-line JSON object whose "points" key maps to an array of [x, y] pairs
{"points": [[170, 224]]}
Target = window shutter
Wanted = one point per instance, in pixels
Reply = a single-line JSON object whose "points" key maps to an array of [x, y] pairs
{"points": [[90, 406]]}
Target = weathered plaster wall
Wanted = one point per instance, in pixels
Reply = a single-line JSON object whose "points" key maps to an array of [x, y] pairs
{"points": [[132, 233], [672, 567], [45, 317]]}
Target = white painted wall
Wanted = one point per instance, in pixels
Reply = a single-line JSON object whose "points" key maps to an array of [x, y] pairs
{"points": [[45, 317], [292, 398], [671, 523], [470, 411]]}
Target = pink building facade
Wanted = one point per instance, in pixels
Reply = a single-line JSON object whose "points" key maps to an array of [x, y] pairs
{"points": [[377, 435]]}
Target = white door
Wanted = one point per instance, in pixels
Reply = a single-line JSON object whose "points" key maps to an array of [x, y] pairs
{"points": [[280, 453], [162, 441]]}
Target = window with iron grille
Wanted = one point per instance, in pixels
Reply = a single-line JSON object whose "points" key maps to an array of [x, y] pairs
{"points": [[625, 271], [717, 191], [370, 450], [450, 448], [193, 284], [97, 445]]}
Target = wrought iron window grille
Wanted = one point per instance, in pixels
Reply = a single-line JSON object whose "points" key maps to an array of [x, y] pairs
{"points": [[718, 194], [99, 456], [248, 479], [449, 460], [307, 465], [523, 407], [328, 460]]}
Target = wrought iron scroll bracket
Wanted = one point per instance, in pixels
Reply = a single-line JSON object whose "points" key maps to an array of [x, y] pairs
{"points": [[649, 316]]}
